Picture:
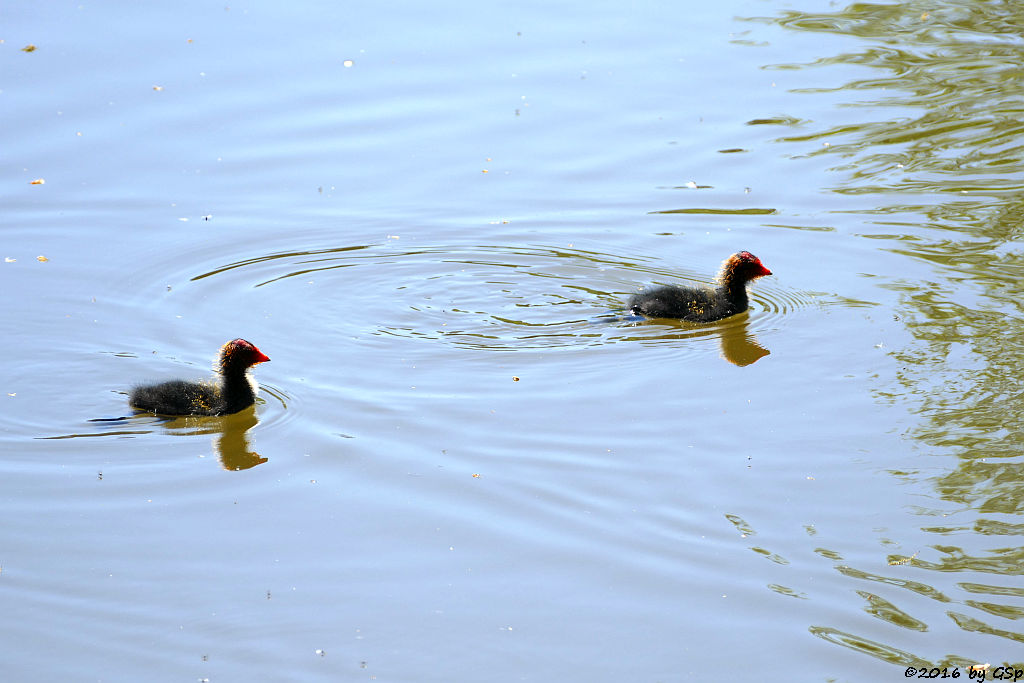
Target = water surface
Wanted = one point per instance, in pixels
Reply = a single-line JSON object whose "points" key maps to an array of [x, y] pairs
{"points": [[467, 463]]}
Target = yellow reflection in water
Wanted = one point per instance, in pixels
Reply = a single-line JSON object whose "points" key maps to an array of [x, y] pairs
{"points": [[230, 432], [930, 146]]}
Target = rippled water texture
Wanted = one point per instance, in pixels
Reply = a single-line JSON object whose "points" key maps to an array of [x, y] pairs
{"points": [[513, 298], [945, 173], [467, 460]]}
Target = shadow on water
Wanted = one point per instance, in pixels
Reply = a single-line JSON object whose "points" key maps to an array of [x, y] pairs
{"points": [[942, 175]]}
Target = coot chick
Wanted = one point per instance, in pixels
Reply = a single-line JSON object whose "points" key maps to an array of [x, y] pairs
{"points": [[236, 390], [701, 304]]}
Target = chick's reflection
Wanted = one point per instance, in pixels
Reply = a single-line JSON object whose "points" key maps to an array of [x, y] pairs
{"points": [[740, 347], [231, 436], [232, 443]]}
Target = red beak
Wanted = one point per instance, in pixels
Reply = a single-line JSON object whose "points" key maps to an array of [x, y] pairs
{"points": [[260, 357]]}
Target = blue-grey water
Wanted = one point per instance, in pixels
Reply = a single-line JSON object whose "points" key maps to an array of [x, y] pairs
{"points": [[466, 463]]}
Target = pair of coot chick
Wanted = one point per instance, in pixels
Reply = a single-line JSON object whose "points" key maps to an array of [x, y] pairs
{"points": [[237, 390]]}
